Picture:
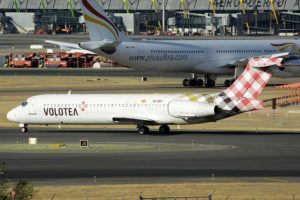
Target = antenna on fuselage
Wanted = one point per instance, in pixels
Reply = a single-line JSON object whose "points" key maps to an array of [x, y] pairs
{"points": [[70, 92]]}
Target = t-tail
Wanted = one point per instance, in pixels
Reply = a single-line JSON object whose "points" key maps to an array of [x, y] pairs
{"points": [[242, 95], [100, 27]]}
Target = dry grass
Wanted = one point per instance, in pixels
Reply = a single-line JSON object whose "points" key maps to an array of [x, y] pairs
{"points": [[50, 82], [220, 191]]}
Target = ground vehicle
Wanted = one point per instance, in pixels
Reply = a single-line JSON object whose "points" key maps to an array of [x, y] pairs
{"points": [[61, 29], [27, 60], [56, 61]]}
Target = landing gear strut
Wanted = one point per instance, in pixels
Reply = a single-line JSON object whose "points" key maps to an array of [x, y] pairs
{"points": [[209, 81], [143, 129], [24, 128]]}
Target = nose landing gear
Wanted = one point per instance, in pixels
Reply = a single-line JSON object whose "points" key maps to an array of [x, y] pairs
{"points": [[23, 128]]}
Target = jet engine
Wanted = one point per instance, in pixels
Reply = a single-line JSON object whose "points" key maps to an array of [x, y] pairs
{"points": [[191, 109]]}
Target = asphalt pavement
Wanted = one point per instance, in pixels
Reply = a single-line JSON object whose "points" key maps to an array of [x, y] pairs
{"points": [[256, 155]]}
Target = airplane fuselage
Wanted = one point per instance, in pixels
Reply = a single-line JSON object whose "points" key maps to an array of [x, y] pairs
{"points": [[195, 56], [101, 109]]}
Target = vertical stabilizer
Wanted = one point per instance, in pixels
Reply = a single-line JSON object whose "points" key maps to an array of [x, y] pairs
{"points": [[100, 27], [242, 94]]}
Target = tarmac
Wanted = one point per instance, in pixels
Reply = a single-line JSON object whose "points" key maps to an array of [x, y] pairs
{"points": [[253, 154], [263, 154]]}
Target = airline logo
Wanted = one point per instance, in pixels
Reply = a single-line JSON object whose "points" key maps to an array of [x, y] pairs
{"points": [[283, 46], [59, 112], [83, 106], [101, 20]]}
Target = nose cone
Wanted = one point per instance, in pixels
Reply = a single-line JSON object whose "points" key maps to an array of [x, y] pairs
{"points": [[12, 115]]}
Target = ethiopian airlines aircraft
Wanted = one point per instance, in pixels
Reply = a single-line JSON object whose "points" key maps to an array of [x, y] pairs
{"points": [[209, 57], [149, 109]]}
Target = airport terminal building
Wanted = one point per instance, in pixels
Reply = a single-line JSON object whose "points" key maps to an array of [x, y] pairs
{"points": [[134, 16]]}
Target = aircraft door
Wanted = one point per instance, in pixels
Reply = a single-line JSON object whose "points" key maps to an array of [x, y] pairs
{"points": [[32, 107]]}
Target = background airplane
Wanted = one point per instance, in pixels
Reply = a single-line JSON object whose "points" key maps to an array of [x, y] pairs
{"points": [[209, 57], [149, 109]]}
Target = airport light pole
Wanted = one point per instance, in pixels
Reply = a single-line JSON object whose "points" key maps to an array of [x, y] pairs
{"points": [[15, 4], [163, 17]]}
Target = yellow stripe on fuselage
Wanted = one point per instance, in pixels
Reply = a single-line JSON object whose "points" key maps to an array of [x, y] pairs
{"points": [[95, 21]]}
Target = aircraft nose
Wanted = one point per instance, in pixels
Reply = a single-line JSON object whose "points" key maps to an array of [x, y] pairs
{"points": [[12, 115]]}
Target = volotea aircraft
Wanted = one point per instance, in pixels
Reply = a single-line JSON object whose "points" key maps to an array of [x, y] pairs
{"points": [[209, 57], [149, 109]]}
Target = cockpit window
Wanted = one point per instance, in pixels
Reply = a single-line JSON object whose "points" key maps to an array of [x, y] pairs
{"points": [[24, 103]]}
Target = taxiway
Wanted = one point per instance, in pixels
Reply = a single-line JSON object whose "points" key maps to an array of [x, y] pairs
{"points": [[263, 154]]}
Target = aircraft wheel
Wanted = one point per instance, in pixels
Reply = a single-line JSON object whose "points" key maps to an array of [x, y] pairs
{"points": [[210, 83], [143, 130], [200, 82], [227, 83], [193, 82], [24, 129], [164, 129], [186, 83]]}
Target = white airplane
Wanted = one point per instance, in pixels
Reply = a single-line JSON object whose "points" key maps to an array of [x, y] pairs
{"points": [[149, 109], [209, 57]]}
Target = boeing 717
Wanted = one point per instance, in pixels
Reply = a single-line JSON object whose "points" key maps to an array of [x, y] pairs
{"points": [[144, 110]]}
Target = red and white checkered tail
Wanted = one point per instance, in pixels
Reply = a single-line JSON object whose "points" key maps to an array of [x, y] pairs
{"points": [[242, 94]]}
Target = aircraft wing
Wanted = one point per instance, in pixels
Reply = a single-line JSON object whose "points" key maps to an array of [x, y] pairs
{"points": [[69, 46], [135, 120], [99, 44]]}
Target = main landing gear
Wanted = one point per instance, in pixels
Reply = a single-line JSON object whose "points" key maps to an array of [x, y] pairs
{"points": [[23, 128], [163, 129], [228, 82], [194, 81], [209, 81], [143, 130]]}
